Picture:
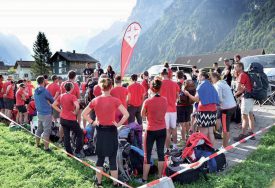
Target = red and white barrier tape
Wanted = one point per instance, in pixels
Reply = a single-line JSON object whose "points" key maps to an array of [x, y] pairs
{"points": [[203, 159], [72, 156]]}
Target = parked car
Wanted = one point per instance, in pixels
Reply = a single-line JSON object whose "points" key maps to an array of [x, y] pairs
{"points": [[155, 70], [268, 62]]}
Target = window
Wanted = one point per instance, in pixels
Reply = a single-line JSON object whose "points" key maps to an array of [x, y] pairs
{"points": [[62, 71], [26, 75]]}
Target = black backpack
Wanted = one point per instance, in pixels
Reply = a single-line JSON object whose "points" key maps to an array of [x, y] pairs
{"points": [[259, 82]]}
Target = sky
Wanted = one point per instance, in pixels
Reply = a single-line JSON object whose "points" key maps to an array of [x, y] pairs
{"points": [[65, 22]]}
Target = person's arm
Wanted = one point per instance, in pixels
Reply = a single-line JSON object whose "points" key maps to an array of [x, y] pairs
{"points": [[8, 90], [49, 97], [193, 98], [76, 104], [55, 106], [125, 114], [144, 110], [240, 87], [56, 95], [128, 98], [86, 115]]}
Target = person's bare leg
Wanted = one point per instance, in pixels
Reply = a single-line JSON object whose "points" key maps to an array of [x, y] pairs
{"points": [[114, 173], [37, 141], [225, 139], [211, 136], [174, 135], [183, 131], [160, 168], [26, 117], [61, 133], [46, 143], [19, 119], [146, 169], [251, 121], [99, 175], [168, 137], [244, 123]]}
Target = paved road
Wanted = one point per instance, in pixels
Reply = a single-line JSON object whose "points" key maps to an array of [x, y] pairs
{"points": [[265, 116]]}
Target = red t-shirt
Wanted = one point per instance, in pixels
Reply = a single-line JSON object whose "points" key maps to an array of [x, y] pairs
{"points": [[10, 94], [30, 88], [5, 86], [19, 94], [207, 108], [53, 88], [105, 109], [120, 93], [83, 87], [145, 84], [75, 92], [137, 91], [170, 90], [66, 102], [244, 79], [97, 91], [1, 87], [31, 108], [156, 108]]}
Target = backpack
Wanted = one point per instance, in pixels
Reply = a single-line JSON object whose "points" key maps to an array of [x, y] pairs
{"points": [[137, 158], [123, 162], [190, 86], [259, 82], [89, 95]]}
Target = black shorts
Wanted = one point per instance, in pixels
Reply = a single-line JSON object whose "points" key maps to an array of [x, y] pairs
{"points": [[8, 103], [184, 113], [2, 106], [150, 137], [22, 108], [226, 116]]}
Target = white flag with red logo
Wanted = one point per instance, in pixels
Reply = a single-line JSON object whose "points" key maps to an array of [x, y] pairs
{"points": [[128, 44]]}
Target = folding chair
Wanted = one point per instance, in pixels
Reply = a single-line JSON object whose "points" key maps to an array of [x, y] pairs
{"points": [[270, 96]]}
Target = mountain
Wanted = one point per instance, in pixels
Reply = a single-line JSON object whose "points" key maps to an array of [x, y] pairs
{"points": [[11, 49], [255, 29], [146, 12], [190, 27], [104, 36]]}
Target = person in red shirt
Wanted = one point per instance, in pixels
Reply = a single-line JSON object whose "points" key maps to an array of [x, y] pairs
{"points": [[244, 87], [170, 72], [154, 109], [136, 94], [54, 90], [170, 90], [105, 107], [145, 82], [75, 91], [120, 93], [2, 107], [20, 104], [31, 109], [30, 88], [9, 97], [68, 118]]}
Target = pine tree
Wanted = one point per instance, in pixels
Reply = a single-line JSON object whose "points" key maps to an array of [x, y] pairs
{"points": [[42, 55]]}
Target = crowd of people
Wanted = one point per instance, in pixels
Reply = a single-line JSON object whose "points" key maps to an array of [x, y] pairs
{"points": [[159, 105]]}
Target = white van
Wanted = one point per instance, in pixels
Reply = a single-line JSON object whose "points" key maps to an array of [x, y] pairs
{"points": [[155, 70]]}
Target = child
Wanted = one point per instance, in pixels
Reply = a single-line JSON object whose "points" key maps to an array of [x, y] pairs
{"points": [[31, 110]]}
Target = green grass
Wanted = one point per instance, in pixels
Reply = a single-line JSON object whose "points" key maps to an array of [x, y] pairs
{"points": [[23, 165]]}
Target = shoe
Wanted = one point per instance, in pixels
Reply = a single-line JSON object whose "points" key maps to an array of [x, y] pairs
{"points": [[250, 133], [140, 181], [117, 185], [80, 155], [240, 137]]}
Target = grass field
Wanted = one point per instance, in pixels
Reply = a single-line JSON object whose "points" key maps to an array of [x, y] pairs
{"points": [[23, 165]]}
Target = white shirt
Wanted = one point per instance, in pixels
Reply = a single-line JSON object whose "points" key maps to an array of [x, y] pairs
{"points": [[226, 97]]}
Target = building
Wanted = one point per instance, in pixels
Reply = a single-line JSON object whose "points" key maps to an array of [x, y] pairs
{"points": [[207, 60], [62, 62], [4, 69], [23, 69]]}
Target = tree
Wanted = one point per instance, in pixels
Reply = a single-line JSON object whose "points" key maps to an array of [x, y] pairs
{"points": [[11, 70], [42, 55]]}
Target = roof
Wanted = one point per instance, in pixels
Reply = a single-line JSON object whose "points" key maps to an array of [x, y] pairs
{"points": [[206, 60], [23, 64], [5, 67], [77, 57]]}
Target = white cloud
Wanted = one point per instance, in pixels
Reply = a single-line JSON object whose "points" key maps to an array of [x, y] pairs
{"points": [[61, 20]]}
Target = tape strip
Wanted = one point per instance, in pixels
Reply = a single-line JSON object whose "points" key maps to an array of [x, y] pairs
{"points": [[72, 156]]}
